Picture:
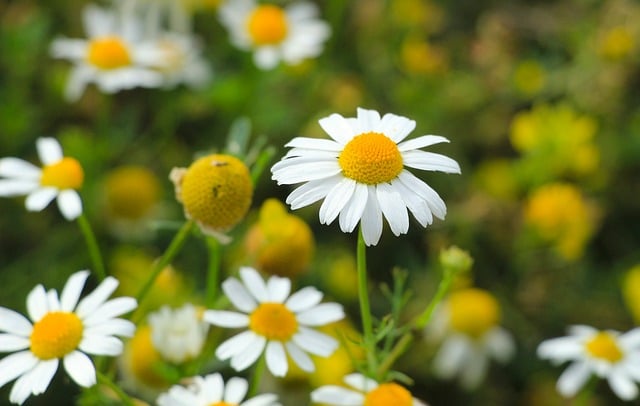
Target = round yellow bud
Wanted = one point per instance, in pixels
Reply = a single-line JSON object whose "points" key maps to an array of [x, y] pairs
{"points": [[131, 192]]}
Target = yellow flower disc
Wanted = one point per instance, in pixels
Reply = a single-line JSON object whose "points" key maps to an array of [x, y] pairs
{"points": [[131, 192], [216, 191], [142, 359], [56, 335], [371, 158], [603, 345], [273, 321], [388, 394], [473, 311], [223, 404], [267, 25], [108, 53], [64, 174]]}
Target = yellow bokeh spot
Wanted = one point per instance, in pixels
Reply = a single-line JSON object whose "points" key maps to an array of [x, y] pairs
{"points": [[617, 43], [216, 191], [67, 173], [56, 335], [131, 192], [473, 312], [604, 346], [387, 394], [279, 243], [267, 25], [631, 291], [371, 158], [529, 77], [108, 53], [421, 57], [273, 321], [142, 359]]}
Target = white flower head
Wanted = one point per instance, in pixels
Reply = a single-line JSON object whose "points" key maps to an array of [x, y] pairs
{"points": [[276, 322], [365, 391], [607, 354], [181, 60], [61, 328], [467, 325], [178, 334], [360, 173], [115, 56], [57, 179], [275, 34], [211, 390]]}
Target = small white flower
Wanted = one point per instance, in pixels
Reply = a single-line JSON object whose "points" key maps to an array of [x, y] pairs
{"points": [[211, 390], [290, 34], [367, 392], [467, 325], [178, 334], [181, 60], [63, 328], [276, 321], [58, 179], [115, 56], [607, 354], [360, 173]]}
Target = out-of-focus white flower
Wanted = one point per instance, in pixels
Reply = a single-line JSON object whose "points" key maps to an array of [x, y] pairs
{"points": [[273, 33], [59, 178], [178, 334], [607, 354]]}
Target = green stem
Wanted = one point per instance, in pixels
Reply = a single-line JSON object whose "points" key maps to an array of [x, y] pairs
{"points": [[92, 245], [399, 349], [423, 319], [256, 377], [103, 379], [365, 309], [174, 247], [213, 276]]}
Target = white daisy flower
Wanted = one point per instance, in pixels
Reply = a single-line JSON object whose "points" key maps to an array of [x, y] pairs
{"points": [[211, 390], [290, 34], [605, 353], [467, 325], [115, 55], [58, 179], [367, 392], [276, 321], [361, 173], [61, 328], [178, 334], [181, 61]]}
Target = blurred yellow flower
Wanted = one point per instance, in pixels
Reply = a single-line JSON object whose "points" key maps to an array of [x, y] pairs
{"points": [[496, 178], [279, 243], [339, 273], [529, 77], [417, 13], [617, 43], [631, 291], [560, 214], [131, 192], [420, 57]]}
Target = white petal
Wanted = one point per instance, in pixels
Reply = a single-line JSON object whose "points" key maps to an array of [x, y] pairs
{"points": [[238, 295], [278, 288], [17, 187], [500, 344], [315, 342], [70, 204], [320, 315], [337, 395], [449, 359], [212, 387], [416, 205], [14, 365], [630, 339], [393, 208], [300, 357], [113, 308], [360, 382], [368, 121], [19, 169], [298, 170], [101, 345], [235, 390], [421, 142], [560, 349], [37, 305], [267, 399], [433, 200], [13, 322], [304, 299], [113, 327], [396, 127], [622, 385], [96, 298], [225, 318], [52, 300], [80, 369], [430, 161], [237, 344], [42, 374], [49, 150], [254, 284], [573, 378], [352, 213], [337, 128], [266, 58], [313, 143], [371, 221], [11, 343], [72, 290], [312, 191], [474, 369], [336, 200], [276, 358], [251, 354], [40, 198]]}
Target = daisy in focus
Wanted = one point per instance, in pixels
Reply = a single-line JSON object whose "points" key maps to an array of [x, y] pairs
{"points": [[275, 34], [211, 390], [360, 173], [61, 328], [58, 179], [468, 325], [115, 56], [278, 324], [605, 353], [365, 392]]}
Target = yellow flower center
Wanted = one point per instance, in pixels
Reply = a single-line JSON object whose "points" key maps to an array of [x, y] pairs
{"points": [[216, 191], [473, 312], [56, 335], [131, 192], [108, 53], [273, 321], [388, 394], [604, 346], [223, 404], [144, 361], [64, 174], [267, 25], [371, 158]]}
